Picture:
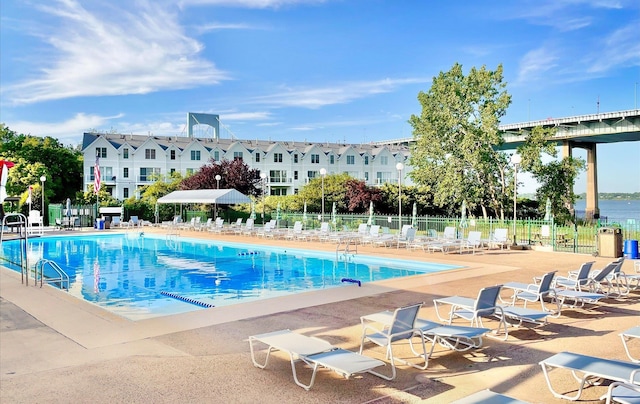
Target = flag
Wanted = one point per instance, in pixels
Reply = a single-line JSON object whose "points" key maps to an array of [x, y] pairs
{"points": [[96, 175], [4, 174]]}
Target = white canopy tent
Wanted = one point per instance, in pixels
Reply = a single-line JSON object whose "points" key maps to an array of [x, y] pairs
{"points": [[219, 196]]}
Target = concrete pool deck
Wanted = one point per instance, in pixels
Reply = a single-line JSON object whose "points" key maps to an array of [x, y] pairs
{"points": [[55, 348]]}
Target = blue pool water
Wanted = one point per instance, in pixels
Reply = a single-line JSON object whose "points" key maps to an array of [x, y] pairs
{"points": [[148, 276]]}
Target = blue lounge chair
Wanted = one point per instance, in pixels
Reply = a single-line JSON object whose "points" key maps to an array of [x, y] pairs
{"points": [[401, 328], [590, 368], [488, 397], [623, 393], [632, 333]]}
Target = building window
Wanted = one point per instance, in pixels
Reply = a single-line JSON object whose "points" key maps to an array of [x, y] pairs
{"points": [[216, 155], [147, 173], [384, 160], [295, 158], [101, 152], [237, 155], [295, 175], [315, 159], [295, 191], [171, 171], [277, 157], [125, 192], [195, 155], [257, 157], [279, 191], [150, 154], [312, 174], [125, 153], [332, 159], [173, 154], [125, 172], [366, 176], [366, 160], [277, 176], [351, 159]]}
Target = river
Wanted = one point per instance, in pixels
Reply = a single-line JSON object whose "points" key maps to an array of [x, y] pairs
{"points": [[614, 210]]}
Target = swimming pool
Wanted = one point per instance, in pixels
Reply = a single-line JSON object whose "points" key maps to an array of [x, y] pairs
{"points": [[144, 276]]}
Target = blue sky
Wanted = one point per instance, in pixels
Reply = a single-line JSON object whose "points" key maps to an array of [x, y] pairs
{"points": [[332, 70]]}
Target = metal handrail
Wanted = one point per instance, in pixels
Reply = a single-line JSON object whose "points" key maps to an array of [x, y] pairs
{"points": [[62, 277], [21, 223]]}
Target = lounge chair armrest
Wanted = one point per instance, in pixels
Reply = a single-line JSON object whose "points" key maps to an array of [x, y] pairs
{"points": [[533, 288]]}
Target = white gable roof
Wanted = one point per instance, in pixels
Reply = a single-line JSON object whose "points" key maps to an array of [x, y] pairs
{"points": [[219, 196]]}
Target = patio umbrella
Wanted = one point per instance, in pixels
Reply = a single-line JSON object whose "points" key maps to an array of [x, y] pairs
{"points": [[463, 217], [333, 215], [370, 221], [68, 207], [414, 216], [547, 210], [304, 212], [5, 165], [278, 215], [253, 211]]}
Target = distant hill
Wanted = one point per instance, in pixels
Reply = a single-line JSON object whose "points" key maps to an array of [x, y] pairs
{"points": [[614, 196]]}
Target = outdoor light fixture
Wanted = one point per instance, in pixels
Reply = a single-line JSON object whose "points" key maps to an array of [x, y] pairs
{"points": [[399, 167], [218, 177], [516, 159], [43, 179], [263, 177], [323, 172]]}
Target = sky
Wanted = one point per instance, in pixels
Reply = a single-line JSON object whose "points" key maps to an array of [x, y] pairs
{"points": [[314, 70]]}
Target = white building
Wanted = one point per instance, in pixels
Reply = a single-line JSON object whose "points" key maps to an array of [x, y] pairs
{"points": [[129, 161]]}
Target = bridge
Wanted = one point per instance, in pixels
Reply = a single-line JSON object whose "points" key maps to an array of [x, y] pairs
{"points": [[581, 131]]}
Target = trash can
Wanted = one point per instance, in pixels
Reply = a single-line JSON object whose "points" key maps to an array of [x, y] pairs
{"points": [[631, 249], [99, 224], [610, 242]]}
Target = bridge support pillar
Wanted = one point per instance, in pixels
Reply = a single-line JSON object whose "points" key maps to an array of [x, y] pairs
{"points": [[592, 211]]}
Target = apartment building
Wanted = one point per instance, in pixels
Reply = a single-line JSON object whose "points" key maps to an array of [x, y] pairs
{"points": [[128, 162]]}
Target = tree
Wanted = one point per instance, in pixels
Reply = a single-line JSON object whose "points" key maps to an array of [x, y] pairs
{"points": [[359, 195], [233, 174], [35, 156], [556, 178], [457, 138]]}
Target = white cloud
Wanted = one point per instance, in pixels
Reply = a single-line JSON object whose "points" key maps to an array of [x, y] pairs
{"points": [[259, 4], [620, 48], [314, 98], [244, 116], [535, 63], [67, 132], [216, 26], [113, 50]]}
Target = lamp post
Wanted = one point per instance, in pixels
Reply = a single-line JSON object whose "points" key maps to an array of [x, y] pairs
{"points": [[399, 167], [263, 177], [515, 160], [42, 179], [218, 177], [323, 172]]}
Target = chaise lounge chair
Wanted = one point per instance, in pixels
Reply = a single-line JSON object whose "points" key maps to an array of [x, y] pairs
{"points": [[314, 352], [485, 306], [488, 397], [591, 368], [632, 333], [623, 393], [400, 328]]}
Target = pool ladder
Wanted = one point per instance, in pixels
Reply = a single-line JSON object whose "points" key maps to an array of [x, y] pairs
{"points": [[18, 221], [344, 247], [61, 277]]}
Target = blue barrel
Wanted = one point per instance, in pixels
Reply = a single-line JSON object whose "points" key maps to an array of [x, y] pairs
{"points": [[631, 249]]}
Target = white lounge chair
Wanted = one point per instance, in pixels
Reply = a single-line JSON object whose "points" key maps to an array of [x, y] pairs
{"points": [[400, 328], [499, 238], [630, 334], [623, 393], [590, 368], [488, 397], [115, 221], [454, 337], [314, 352], [486, 306]]}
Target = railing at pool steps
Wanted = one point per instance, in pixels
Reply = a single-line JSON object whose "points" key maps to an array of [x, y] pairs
{"points": [[19, 222], [61, 277], [343, 249]]}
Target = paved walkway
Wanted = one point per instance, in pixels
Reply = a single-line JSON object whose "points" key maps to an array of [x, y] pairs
{"points": [[54, 348]]}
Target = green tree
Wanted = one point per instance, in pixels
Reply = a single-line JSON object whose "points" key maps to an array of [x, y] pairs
{"points": [[35, 156], [556, 178], [457, 138]]}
